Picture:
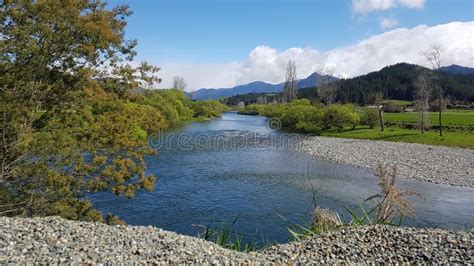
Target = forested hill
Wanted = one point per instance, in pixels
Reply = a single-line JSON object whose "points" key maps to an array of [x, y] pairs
{"points": [[398, 82]]}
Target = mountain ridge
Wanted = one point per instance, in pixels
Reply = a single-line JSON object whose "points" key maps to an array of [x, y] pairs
{"points": [[255, 87], [457, 69]]}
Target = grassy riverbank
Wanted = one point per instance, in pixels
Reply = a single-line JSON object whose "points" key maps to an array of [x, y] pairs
{"points": [[348, 121], [449, 117]]}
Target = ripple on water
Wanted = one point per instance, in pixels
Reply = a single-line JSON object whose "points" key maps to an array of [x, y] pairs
{"points": [[260, 183]]}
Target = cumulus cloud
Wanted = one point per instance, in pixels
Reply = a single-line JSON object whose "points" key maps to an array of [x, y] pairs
{"points": [[388, 23], [366, 6], [412, 3], [268, 64]]}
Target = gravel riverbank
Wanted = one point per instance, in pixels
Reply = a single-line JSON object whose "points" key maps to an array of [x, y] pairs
{"points": [[443, 165], [55, 240]]}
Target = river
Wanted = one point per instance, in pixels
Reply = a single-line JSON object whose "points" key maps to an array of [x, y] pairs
{"points": [[234, 166]]}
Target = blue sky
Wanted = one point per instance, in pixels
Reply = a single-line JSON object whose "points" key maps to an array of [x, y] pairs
{"points": [[227, 31]]}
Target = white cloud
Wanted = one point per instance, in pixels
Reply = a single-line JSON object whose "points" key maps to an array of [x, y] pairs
{"points": [[268, 64], [366, 6], [387, 23], [412, 3]]}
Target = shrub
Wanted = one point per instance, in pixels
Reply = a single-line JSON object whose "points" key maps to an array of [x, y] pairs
{"points": [[369, 117], [252, 109], [208, 109], [392, 107], [390, 202], [172, 103], [326, 220], [339, 116]]}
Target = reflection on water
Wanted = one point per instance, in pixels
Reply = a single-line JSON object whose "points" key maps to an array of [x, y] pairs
{"points": [[260, 183]]}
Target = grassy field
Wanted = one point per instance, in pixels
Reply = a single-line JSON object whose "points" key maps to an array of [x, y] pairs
{"points": [[458, 118], [464, 139], [459, 138]]}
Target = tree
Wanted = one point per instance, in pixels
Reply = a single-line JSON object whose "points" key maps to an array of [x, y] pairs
{"points": [[339, 116], [422, 96], [62, 134], [290, 87], [262, 99], [179, 83], [369, 117], [327, 87], [433, 57], [381, 120], [327, 92], [380, 109]]}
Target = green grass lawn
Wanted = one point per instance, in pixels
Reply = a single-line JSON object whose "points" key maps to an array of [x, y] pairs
{"points": [[464, 139], [459, 118]]}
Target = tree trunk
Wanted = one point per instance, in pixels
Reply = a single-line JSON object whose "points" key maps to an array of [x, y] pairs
{"points": [[422, 122], [381, 118], [439, 106]]}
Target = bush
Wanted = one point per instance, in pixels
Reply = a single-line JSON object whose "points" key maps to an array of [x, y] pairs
{"points": [[339, 116], [252, 109], [369, 117], [176, 107], [172, 103], [208, 109], [303, 116], [392, 107]]}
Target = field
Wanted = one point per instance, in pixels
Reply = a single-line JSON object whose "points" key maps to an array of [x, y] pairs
{"points": [[456, 118], [457, 138]]}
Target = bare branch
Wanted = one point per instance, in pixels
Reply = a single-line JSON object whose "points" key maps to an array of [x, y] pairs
{"points": [[179, 83]]}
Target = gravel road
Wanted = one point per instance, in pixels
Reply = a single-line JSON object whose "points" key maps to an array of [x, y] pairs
{"points": [[55, 240], [444, 165]]}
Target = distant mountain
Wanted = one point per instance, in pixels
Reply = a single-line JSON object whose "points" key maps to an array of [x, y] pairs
{"points": [[254, 87], [314, 79], [456, 69]]}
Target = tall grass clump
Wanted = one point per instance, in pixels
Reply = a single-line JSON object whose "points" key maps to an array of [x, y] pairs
{"points": [[389, 209], [222, 234], [390, 201]]}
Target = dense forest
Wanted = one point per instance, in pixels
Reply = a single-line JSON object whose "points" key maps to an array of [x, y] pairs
{"points": [[396, 82]]}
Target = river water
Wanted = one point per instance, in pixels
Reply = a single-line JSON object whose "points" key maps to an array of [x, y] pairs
{"points": [[238, 166]]}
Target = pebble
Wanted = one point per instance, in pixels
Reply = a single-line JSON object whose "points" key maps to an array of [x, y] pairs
{"points": [[97, 243], [435, 164]]}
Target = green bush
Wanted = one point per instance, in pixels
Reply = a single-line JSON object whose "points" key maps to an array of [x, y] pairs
{"points": [[303, 116], [339, 116], [173, 104], [369, 117], [208, 109], [252, 109], [176, 107]]}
